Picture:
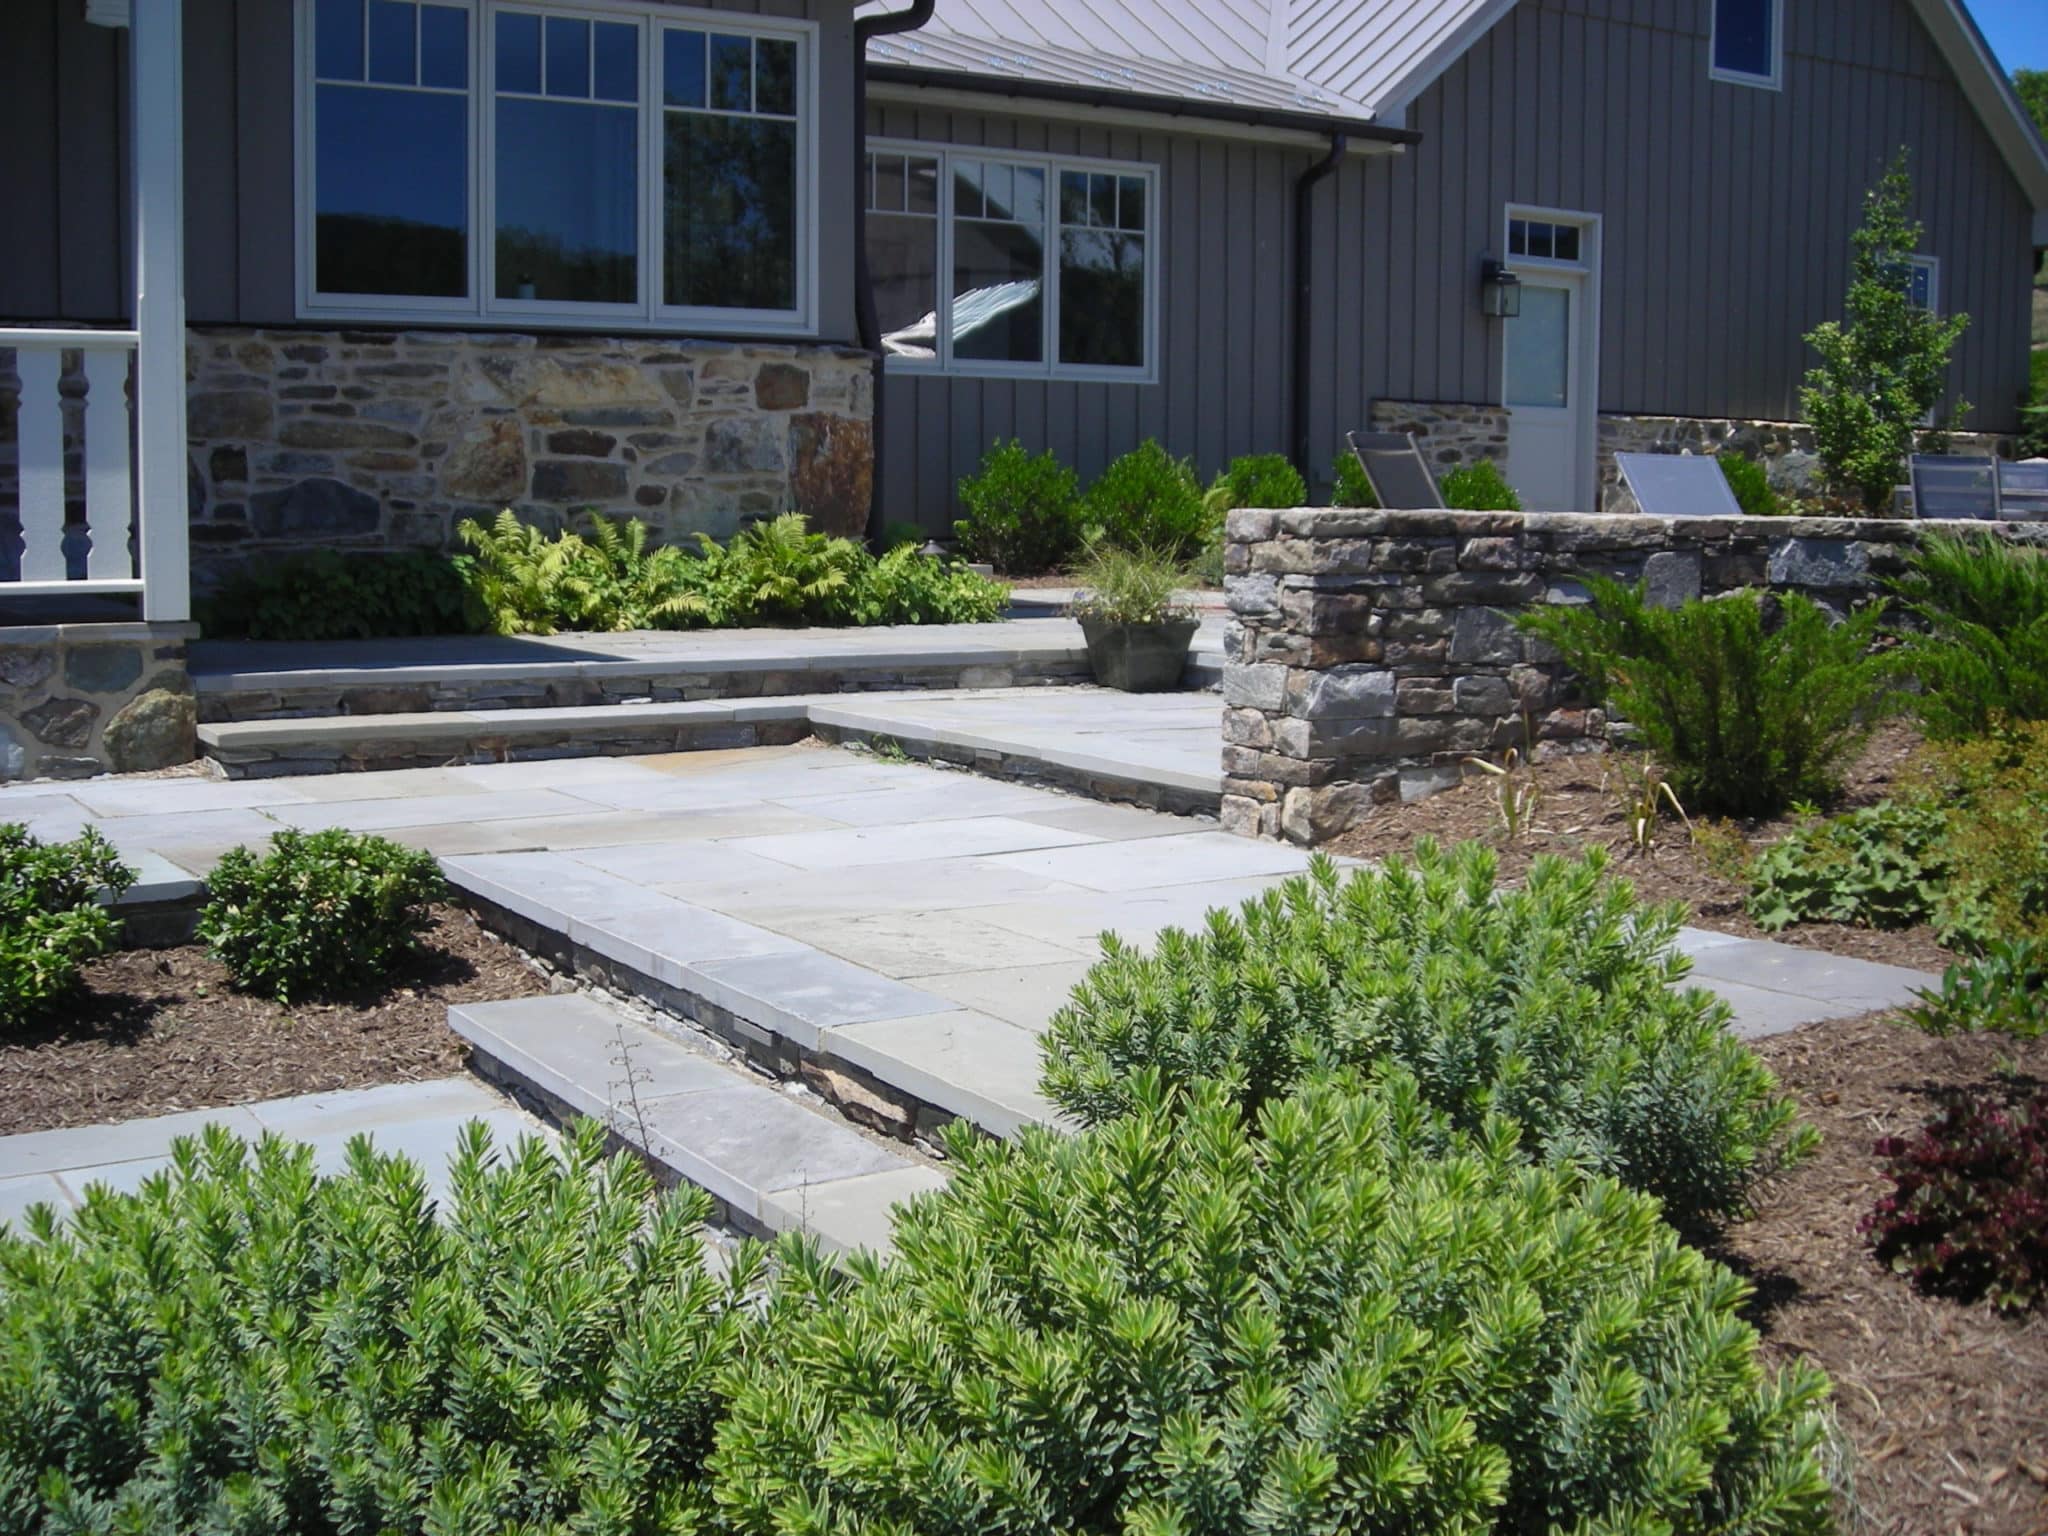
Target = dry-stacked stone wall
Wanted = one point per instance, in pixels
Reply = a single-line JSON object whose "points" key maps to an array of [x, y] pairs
{"points": [[1371, 653], [388, 439]]}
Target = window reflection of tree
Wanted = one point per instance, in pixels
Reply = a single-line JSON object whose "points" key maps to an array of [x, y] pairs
{"points": [[1102, 298], [730, 202]]}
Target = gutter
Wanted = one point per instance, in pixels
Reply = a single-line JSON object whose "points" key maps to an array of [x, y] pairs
{"points": [[1304, 209], [867, 319], [1318, 123]]}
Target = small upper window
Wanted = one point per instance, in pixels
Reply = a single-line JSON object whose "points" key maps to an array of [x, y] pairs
{"points": [[1543, 240], [1921, 286], [1746, 45]]}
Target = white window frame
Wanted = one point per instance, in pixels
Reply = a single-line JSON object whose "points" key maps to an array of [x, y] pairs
{"points": [[1051, 367], [1775, 80], [483, 309]]}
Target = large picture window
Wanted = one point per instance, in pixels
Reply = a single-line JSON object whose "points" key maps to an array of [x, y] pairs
{"points": [[630, 165], [985, 262]]}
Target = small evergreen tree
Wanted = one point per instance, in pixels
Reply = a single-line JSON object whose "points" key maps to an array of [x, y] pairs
{"points": [[1882, 367]]}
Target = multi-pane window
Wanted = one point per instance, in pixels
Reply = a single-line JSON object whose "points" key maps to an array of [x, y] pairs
{"points": [[1745, 41], [986, 262], [1921, 286], [1543, 240], [1102, 269], [391, 165], [641, 166]]}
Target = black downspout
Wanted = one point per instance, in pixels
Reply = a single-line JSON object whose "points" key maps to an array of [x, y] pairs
{"points": [[1297, 394], [866, 319]]}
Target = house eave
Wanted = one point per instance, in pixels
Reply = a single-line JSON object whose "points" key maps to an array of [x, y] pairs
{"points": [[1991, 94], [1135, 108]]}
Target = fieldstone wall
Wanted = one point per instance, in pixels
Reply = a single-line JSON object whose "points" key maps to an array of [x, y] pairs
{"points": [[1370, 652], [1449, 435], [82, 699], [388, 439]]}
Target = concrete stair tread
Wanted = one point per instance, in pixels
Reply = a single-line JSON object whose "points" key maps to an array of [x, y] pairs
{"points": [[775, 1162]]}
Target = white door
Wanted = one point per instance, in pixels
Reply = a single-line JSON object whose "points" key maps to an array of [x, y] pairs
{"points": [[1549, 412]]}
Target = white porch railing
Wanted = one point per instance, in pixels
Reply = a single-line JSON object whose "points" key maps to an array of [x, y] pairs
{"points": [[56, 555]]}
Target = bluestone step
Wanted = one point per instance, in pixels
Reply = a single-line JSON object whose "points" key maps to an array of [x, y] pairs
{"points": [[775, 1162]]}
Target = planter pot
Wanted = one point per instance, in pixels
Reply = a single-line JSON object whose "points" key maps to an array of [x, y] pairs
{"points": [[1139, 658]]}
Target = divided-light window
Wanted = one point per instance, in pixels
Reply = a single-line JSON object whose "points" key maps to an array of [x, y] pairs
{"points": [[985, 262], [630, 166]]}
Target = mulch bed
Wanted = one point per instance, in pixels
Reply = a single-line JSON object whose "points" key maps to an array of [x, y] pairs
{"points": [[1582, 804], [153, 1032], [1944, 1406]]}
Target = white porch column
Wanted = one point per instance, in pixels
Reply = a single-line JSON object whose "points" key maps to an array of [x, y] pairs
{"points": [[156, 92]]}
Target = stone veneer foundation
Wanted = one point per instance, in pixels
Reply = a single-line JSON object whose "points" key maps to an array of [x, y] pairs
{"points": [[1450, 434], [1370, 653], [373, 438], [82, 699]]}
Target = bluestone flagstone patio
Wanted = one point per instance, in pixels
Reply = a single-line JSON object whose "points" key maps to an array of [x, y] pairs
{"points": [[918, 923]]}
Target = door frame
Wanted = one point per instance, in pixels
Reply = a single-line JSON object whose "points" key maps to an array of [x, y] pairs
{"points": [[1588, 270]]}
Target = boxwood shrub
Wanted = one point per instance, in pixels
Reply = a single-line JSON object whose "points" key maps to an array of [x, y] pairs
{"points": [[320, 914], [1552, 1004], [245, 1347], [1341, 1320], [52, 920]]}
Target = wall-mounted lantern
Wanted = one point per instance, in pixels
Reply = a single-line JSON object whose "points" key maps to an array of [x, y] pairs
{"points": [[1500, 291]]}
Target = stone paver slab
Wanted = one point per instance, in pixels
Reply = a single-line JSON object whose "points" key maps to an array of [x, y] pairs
{"points": [[87, 1146], [669, 941], [746, 1142], [577, 1050], [1840, 981], [182, 797], [425, 810], [850, 1214], [858, 846], [1026, 996], [799, 993], [1160, 861], [1760, 1013], [911, 944], [972, 1065], [926, 885]]}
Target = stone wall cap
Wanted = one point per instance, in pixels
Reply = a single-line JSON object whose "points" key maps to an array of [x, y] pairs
{"points": [[1307, 522], [95, 634]]}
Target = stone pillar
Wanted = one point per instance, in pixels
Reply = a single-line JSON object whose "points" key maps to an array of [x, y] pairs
{"points": [[83, 699]]}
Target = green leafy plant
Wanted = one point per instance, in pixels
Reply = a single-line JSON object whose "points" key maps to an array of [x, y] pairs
{"points": [[1980, 653], [1129, 586], [245, 1346], [320, 913], [52, 917], [1878, 867], [1147, 500], [1479, 487], [1994, 849], [1748, 715], [1023, 511], [1553, 1004], [522, 581], [1335, 1319], [334, 595], [1882, 367], [1349, 486], [1968, 1213], [1643, 791], [1750, 485], [2002, 991], [1261, 480]]}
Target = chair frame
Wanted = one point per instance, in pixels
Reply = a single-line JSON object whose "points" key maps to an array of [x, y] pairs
{"points": [[1364, 443]]}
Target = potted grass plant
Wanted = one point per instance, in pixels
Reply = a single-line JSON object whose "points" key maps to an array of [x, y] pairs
{"points": [[1138, 632]]}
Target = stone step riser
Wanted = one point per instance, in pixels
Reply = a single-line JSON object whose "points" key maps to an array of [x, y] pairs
{"points": [[769, 1162], [863, 1098], [278, 697]]}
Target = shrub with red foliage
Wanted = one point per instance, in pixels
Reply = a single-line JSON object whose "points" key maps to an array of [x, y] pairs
{"points": [[1968, 1216]]}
